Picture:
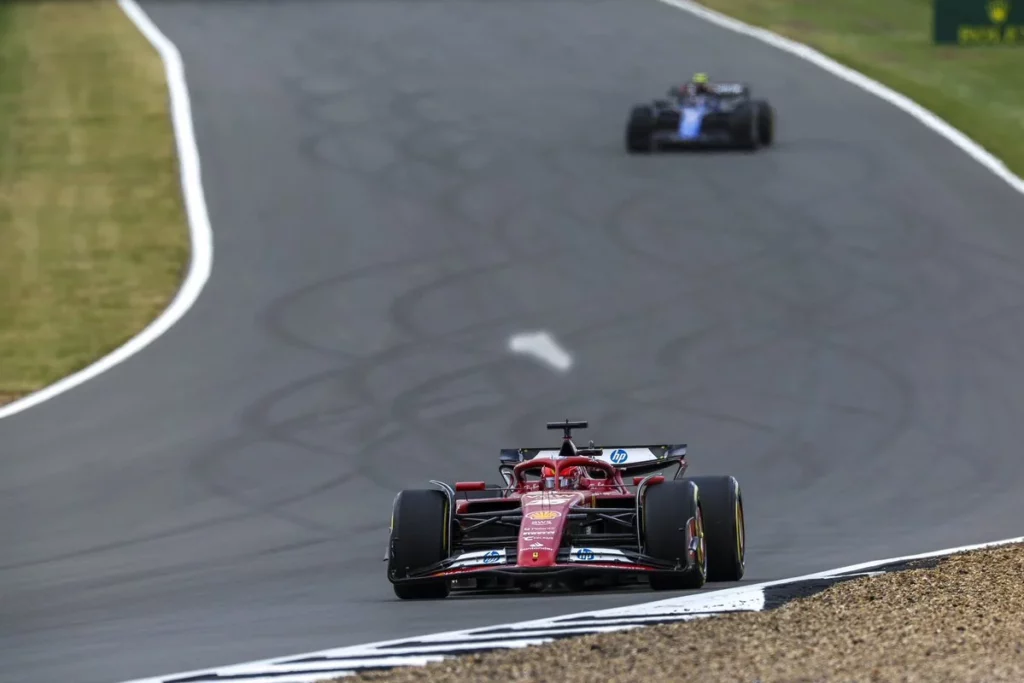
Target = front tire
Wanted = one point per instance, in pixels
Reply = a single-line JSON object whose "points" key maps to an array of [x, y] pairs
{"points": [[667, 510], [419, 538], [724, 525]]}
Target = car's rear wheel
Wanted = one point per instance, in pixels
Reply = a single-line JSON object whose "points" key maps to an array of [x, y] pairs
{"points": [[765, 123], [671, 515], [724, 526], [745, 127], [419, 538], [640, 130]]}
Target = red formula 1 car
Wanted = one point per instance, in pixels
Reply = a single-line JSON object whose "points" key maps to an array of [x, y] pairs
{"points": [[567, 516]]}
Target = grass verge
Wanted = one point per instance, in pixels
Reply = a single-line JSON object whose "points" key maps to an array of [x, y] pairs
{"points": [[94, 234], [962, 620], [976, 89]]}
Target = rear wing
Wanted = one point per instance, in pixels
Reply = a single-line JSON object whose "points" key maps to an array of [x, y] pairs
{"points": [[731, 89], [633, 459]]}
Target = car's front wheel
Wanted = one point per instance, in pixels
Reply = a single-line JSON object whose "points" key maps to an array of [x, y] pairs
{"points": [[419, 538], [724, 525], [672, 519]]}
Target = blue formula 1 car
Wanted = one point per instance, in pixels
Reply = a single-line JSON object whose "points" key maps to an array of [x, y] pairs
{"points": [[701, 114]]}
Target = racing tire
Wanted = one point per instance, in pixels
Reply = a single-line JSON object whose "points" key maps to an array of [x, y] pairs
{"points": [[667, 509], [639, 130], [765, 123], [419, 538], [725, 528], [746, 126]]}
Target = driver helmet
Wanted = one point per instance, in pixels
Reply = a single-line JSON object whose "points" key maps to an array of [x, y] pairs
{"points": [[569, 479], [700, 83]]}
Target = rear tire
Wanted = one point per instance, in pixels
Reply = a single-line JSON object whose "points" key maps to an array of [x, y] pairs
{"points": [[745, 127], [765, 123], [667, 508], [419, 538], [724, 526], [639, 130]]}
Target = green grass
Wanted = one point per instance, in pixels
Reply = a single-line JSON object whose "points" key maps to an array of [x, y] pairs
{"points": [[93, 235], [977, 89]]}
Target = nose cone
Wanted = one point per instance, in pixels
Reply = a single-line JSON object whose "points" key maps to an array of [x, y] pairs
{"points": [[544, 517]]}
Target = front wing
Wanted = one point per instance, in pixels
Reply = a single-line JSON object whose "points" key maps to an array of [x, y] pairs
{"points": [[572, 560]]}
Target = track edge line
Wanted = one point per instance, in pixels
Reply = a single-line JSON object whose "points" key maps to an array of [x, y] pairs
{"points": [[915, 110], [807, 53], [639, 607], [200, 231]]}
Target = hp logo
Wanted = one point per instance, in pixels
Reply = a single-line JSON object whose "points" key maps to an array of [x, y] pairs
{"points": [[619, 456], [585, 554]]}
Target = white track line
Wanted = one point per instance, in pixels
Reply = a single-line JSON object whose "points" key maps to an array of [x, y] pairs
{"points": [[974, 150], [417, 651], [845, 73], [201, 234]]}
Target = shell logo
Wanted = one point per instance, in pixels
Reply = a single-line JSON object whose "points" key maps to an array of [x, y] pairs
{"points": [[999, 11], [544, 514]]}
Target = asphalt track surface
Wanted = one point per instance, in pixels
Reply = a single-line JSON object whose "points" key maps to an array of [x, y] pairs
{"points": [[395, 188]]}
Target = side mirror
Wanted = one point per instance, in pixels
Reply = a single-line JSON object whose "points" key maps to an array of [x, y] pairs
{"points": [[470, 485], [653, 480]]}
